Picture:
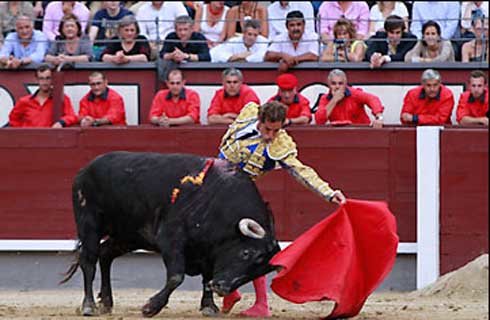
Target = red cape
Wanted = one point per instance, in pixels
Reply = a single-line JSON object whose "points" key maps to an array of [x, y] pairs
{"points": [[342, 258]]}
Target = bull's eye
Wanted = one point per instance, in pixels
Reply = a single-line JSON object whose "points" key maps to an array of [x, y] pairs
{"points": [[245, 254]]}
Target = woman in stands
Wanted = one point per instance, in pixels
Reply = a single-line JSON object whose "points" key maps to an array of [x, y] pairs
{"points": [[431, 48], [70, 45], [237, 15], [344, 47], [477, 49], [210, 21], [129, 46]]}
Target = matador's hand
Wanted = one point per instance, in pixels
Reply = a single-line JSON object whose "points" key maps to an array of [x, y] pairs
{"points": [[338, 197]]}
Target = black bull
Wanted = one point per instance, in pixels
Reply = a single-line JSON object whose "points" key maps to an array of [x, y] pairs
{"points": [[204, 216]]}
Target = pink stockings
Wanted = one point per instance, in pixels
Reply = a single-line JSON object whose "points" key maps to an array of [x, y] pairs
{"points": [[260, 309]]}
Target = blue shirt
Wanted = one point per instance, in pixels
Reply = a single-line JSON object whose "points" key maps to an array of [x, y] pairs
{"points": [[36, 49], [445, 13], [108, 25]]}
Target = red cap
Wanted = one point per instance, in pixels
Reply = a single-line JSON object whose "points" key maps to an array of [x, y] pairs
{"points": [[287, 81]]}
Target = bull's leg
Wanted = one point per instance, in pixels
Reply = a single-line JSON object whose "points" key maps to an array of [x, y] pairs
{"points": [[208, 307], [88, 259], [109, 250], [175, 263]]}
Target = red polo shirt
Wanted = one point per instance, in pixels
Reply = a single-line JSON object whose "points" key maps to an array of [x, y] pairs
{"points": [[27, 112], [299, 107], [187, 105], [350, 108], [469, 106], [436, 111], [109, 105], [222, 103]]}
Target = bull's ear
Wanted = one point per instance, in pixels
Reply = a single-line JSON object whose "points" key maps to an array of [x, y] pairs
{"points": [[251, 228]]}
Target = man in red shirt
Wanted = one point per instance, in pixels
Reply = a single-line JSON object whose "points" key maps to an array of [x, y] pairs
{"points": [[345, 105], [430, 103], [229, 100], [473, 103], [36, 110], [298, 105], [101, 105], [176, 105]]}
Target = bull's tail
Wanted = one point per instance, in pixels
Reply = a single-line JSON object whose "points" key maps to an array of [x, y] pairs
{"points": [[74, 265]]}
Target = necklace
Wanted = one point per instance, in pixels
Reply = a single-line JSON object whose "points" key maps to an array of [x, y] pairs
{"points": [[215, 11]]}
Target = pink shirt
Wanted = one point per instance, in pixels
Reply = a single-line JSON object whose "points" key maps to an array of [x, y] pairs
{"points": [[54, 13], [330, 12]]}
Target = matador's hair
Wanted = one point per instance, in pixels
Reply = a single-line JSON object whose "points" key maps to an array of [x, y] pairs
{"points": [[273, 111]]}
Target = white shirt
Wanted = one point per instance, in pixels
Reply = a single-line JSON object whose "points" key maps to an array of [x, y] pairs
{"points": [[224, 51], [466, 9], [376, 15], [212, 33], [277, 16], [307, 43], [166, 15]]}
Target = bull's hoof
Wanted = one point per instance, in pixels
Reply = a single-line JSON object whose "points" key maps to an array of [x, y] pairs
{"points": [[210, 312], [148, 311], [105, 309], [89, 311]]}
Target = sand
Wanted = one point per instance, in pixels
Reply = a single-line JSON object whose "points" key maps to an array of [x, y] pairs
{"points": [[461, 295]]}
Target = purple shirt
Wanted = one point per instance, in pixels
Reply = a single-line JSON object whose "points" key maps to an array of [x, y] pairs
{"points": [[54, 13], [330, 12]]}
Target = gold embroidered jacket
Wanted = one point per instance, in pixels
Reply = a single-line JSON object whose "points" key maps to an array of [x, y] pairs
{"points": [[243, 146]]}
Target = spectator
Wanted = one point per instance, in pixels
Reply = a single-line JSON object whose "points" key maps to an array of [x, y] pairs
{"points": [[210, 21], [431, 103], [473, 103], [382, 10], [166, 12], [293, 47], [344, 47], [176, 105], [184, 44], [71, 45], [237, 15], [38, 16], [229, 101], [278, 10], [390, 45], [251, 47], [56, 10], [23, 46], [477, 49], [331, 11], [345, 105], [298, 106], [131, 47], [445, 13], [471, 10], [9, 11], [101, 105], [431, 48], [37, 109], [105, 24]]}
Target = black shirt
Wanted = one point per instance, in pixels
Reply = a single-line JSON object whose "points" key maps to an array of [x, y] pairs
{"points": [[379, 43], [141, 46], [200, 48]]}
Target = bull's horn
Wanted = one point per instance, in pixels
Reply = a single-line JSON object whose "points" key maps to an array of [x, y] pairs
{"points": [[251, 228]]}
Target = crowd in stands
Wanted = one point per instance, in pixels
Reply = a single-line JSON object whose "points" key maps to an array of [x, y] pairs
{"points": [[290, 31], [430, 103], [287, 33]]}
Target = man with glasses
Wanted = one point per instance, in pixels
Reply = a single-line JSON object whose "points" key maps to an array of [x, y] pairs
{"points": [[101, 105], [229, 101], [37, 110], [176, 105]]}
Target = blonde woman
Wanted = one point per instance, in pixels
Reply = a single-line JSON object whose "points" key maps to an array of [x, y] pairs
{"points": [[210, 21], [237, 15], [383, 9], [344, 47]]}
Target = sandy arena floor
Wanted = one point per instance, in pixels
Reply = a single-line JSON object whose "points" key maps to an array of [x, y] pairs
{"points": [[461, 295]]}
